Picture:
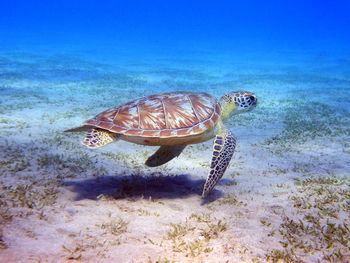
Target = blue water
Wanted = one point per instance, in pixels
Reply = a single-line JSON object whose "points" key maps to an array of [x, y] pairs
{"points": [[254, 30]]}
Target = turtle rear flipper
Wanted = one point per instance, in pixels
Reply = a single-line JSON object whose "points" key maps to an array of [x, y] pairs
{"points": [[164, 154], [224, 147], [97, 138]]}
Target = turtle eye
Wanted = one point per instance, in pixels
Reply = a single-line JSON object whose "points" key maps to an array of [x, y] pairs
{"points": [[252, 98]]}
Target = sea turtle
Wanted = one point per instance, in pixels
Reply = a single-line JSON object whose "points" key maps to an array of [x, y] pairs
{"points": [[173, 120]]}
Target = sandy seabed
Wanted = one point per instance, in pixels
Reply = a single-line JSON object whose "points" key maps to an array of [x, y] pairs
{"points": [[284, 198]]}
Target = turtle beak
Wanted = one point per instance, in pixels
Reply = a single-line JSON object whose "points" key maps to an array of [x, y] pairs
{"points": [[254, 100]]}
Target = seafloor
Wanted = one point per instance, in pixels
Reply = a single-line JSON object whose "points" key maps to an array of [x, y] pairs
{"points": [[284, 198]]}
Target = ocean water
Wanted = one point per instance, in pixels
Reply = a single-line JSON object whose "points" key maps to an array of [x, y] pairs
{"points": [[285, 195]]}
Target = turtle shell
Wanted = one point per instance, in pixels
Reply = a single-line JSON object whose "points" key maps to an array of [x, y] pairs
{"points": [[173, 114]]}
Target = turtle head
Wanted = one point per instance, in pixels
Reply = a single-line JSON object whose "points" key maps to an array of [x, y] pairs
{"points": [[237, 102]]}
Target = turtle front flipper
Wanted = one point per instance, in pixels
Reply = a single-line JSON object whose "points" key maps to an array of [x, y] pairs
{"points": [[164, 154], [97, 138], [224, 146]]}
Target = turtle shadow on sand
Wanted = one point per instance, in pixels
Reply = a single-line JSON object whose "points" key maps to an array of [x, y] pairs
{"points": [[140, 186]]}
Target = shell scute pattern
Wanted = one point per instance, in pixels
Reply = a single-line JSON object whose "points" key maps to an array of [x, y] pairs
{"points": [[106, 125], [179, 112], [127, 117], [108, 115], [203, 106], [164, 115], [151, 133], [151, 114]]}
